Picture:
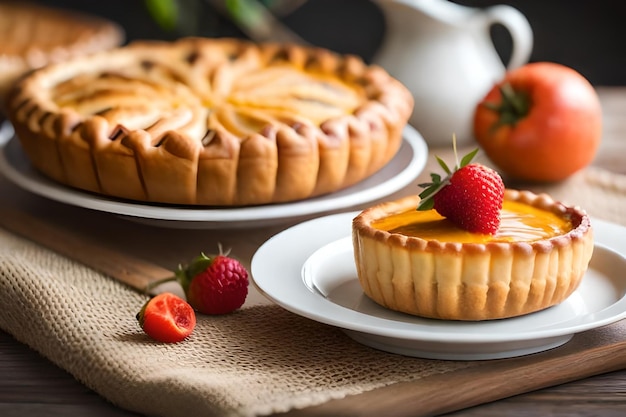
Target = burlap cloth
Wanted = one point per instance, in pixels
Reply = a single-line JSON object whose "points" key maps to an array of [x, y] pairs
{"points": [[258, 361]]}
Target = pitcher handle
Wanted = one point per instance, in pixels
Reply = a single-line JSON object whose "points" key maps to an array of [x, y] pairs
{"points": [[519, 28]]}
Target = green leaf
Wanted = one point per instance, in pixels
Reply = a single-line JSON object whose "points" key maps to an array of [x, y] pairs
{"points": [[468, 158], [426, 204], [198, 265], [427, 192], [443, 165], [164, 12]]}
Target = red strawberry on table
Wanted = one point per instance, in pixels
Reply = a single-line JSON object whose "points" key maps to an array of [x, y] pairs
{"points": [[212, 284], [470, 196], [216, 285], [167, 318]]}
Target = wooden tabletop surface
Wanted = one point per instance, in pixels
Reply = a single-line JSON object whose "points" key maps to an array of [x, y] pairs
{"points": [[31, 386]]}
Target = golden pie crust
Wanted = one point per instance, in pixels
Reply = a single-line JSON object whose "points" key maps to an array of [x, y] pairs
{"points": [[475, 280], [217, 122], [32, 36]]}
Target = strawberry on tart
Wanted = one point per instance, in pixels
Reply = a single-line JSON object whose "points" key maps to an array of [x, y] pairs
{"points": [[469, 249]]}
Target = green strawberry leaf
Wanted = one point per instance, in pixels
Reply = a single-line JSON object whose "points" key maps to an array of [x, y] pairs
{"points": [[431, 187], [184, 275], [443, 165], [426, 204], [468, 158], [198, 265]]}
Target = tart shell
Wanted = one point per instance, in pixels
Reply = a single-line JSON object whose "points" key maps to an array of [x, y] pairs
{"points": [[470, 281]]}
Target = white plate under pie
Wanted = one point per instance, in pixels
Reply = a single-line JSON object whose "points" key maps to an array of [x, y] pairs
{"points": [[309, 269], [398, 173]]}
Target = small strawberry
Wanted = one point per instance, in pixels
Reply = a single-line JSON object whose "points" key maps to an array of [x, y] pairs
{"points": [[167, 318], [212, 285], [470, 196], [215, 285]]}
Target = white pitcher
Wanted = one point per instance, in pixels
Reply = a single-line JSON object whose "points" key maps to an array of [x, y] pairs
{"points": [[443, 52]]}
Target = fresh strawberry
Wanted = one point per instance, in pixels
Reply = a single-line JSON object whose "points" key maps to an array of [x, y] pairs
{"points": [[212, 285], [217, 285], [470, 196], [167, 318]]}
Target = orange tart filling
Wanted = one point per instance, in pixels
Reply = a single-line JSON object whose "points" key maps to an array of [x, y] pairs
{"points": [[419, 263], [519, 222]]}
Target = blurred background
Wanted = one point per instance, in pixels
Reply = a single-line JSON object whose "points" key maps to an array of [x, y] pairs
{"points": [[587, 36]]}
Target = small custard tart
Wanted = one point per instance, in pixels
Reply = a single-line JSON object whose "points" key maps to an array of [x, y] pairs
{"points": [[419, 263]]}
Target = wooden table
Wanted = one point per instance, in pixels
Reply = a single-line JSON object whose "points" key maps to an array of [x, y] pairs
{"points": [[32, 386]]}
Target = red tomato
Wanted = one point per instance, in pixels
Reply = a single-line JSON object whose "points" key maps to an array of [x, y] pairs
{"points": [[167, 318], [542, 122]]}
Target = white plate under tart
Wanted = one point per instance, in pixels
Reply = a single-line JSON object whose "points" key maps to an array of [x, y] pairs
{"points": [[309, 269]]}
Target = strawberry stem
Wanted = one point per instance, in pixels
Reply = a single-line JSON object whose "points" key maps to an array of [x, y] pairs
{"points": [[456, 155]]}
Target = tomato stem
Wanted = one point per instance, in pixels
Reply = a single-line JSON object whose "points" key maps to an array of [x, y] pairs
{"points": [[514, 106]]}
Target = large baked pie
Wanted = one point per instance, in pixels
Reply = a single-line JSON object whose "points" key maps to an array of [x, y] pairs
{"points": [[419, 263], [219, 122], [33, 35]]}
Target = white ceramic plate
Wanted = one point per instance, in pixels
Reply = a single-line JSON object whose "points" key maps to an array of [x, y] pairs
{"points": [[309, 270], [404, 168]]}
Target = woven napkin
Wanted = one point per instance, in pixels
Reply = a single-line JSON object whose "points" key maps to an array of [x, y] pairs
{"points": [[257, 361]]}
